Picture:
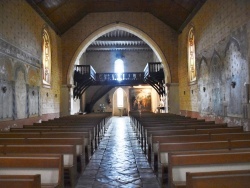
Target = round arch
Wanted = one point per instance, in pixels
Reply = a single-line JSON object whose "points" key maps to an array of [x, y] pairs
{"points": [[111, 27]]}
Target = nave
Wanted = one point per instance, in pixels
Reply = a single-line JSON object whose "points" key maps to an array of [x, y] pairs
{"points": [[119, 160]]}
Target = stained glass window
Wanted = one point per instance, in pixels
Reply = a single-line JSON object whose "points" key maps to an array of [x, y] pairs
{"points": [[191, 56], [46, 59]]}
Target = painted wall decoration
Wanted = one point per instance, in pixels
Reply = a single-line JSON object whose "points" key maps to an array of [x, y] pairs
{"points": [[140, 99], [6, 94], [223, 74], [21, 94], [19, 89], [203, 87], [33, 96]]}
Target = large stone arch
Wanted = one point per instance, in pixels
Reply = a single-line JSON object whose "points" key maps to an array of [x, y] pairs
{"points": [[122, 26]]}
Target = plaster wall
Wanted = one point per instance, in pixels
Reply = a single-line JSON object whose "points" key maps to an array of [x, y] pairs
{"points": [[161, 34], [134, 61], [222, 57], [21, 66]]}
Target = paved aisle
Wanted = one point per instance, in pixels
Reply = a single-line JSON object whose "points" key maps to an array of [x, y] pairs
{"points": [[119, 161]]}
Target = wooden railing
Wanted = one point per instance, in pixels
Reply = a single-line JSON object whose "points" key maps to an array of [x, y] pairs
{"points": [[152, 68], [129, 76], [86, 70], [85, 76]]}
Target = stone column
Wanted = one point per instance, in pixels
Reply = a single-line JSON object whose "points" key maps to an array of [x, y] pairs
{"points": [[66, 99], [172, 96]]}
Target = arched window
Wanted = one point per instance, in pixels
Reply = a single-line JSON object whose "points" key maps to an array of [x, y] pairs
{"points": [[46, 59], [119, 69], [191, 56], [119, 97]]}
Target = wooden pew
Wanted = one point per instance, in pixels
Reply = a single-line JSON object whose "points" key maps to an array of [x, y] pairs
{"points": [[142, 135], [68, 152], [97, 119], [154, 140], [187, 132], [36, 134], [229, 179], [182, 162], [87, 133], [76, 142], [165, 148], [96, 131], [50, 168], [92, 129], [143, 125], [20, 181]]}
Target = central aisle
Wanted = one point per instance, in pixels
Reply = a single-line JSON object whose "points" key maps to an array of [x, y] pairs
{"points": [[118, 161]]}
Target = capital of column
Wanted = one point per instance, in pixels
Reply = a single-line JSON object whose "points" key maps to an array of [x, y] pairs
{"points": [[71, 86]]}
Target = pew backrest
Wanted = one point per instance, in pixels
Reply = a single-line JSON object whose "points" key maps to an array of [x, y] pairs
{"points": [[219, 179], [183, 162], [50, 167], [20, 181]]}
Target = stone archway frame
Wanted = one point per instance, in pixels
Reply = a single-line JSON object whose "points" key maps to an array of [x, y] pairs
{"points": [[111, 27]]}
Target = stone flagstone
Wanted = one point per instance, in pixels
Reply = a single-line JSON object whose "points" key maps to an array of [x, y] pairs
{"points": [[118, 161]]}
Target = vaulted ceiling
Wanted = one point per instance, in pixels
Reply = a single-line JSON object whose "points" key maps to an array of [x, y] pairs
{"points": [[61, 15]]}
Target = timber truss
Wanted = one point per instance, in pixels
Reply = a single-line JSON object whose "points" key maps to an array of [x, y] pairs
{"points": [[85, 76]]}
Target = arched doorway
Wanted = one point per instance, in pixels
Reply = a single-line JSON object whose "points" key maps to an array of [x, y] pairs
{"points": [[120, 104]]}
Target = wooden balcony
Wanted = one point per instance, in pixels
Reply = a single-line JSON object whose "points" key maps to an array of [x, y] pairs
{"points": [[85, 76]]}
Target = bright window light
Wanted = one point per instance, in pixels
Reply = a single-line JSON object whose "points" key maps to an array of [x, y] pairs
{"points": [[119, 69], [119, 97]]}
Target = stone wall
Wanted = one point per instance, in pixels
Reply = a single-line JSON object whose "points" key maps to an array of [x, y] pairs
{"points": [[222, 36], [22, 96]]}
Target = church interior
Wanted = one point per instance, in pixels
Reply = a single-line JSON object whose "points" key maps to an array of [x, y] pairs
{"points": [[163, 75]]}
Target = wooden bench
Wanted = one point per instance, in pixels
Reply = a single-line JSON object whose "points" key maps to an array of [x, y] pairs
{"points": [[154, 140], [86, 132], [20, 181], [182, 162], [95, 132], [142, 136], [36, 134], [68, 152], [187, 132], [76, 142], [165, 148], [50, 168], [233, 179], [142, 125], [94, 119]]}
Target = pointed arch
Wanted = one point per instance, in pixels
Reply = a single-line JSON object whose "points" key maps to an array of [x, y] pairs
{"points": [[111, 27], [215, 68], [232, 40], [202, 60]]}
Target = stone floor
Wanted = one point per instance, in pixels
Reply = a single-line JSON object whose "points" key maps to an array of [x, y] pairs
{"points": [[118, 161]]}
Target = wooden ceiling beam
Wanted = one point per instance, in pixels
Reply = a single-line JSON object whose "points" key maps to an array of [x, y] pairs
{"points": [[118, 39], [118, 47]]}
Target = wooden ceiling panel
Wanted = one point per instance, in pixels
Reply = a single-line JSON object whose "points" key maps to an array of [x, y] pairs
{"points": [[50, 6], [63, 14]]}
